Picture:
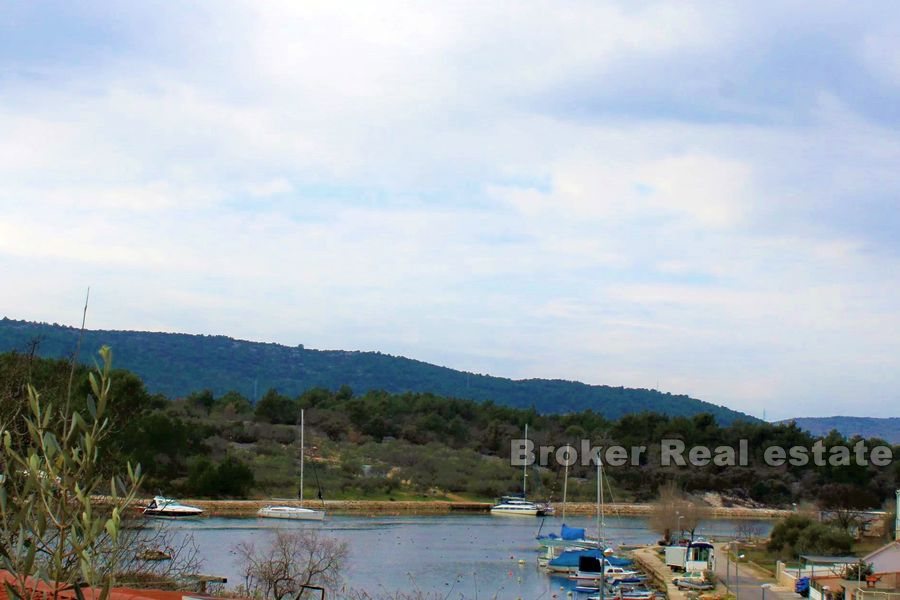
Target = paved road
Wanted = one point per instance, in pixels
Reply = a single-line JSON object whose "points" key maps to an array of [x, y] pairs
{"points": [[745, 584]]}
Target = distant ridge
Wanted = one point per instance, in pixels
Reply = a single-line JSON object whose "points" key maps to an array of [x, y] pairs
{"points": [[886, 428], [176, 364]]}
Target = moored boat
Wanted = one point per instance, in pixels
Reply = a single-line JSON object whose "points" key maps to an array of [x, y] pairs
{"points": [[517, 506], [161, 506], [570, 559], [291, 512], [299, 513], [569, 537]]}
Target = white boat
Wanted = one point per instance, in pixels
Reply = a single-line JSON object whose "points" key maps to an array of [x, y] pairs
{"points": [[517, 506], [294, 512], [169, 507], [610, 573], [291, 512]]}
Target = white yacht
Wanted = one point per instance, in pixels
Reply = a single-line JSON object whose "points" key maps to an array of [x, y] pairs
{"points": [[517, 506], [168, 507]]}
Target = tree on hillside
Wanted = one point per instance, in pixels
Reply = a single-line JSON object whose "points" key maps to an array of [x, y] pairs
{"points": [[203, 400], [276, 408], [233, 403], [50, 461]]}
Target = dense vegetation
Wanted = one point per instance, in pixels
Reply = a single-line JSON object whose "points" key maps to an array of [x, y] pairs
{"points": [[413, 445], [178, 364], [800, 534]]}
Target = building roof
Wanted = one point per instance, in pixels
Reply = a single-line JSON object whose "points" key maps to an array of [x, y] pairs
{"points": [[40, 589], [829, 560], [888, 546]]}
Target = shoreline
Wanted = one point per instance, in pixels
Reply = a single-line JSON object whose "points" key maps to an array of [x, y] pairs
{"points": [[248, 508]]}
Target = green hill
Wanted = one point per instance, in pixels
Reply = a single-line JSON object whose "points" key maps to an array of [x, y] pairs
{"points": [[177, 364]]}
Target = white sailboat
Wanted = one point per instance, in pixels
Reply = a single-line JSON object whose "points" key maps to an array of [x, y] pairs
{"points": [[518, 506], [284, 511]]}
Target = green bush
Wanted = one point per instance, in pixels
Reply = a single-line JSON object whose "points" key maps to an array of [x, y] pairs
{"points": [[800, 534], [230, 478]]}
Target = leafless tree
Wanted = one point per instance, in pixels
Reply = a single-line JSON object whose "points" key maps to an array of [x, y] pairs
{"points": [[157, 557], [676, 514], [291, 560], [749, 530]]}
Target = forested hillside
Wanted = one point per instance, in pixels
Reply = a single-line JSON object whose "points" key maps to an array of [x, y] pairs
{"points": [[378, 445], [177, 364], [887, 428]]}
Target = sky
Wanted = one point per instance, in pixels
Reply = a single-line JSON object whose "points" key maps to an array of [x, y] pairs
{"points": [[697, 197]]}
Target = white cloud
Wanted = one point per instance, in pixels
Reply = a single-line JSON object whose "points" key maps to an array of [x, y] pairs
{"points": [[526, 189]]}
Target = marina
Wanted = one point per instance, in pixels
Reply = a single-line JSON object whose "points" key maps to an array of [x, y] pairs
{"points": [[454, 555]]}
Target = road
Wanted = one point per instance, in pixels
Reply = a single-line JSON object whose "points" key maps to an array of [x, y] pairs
{"points": [[746, 584]]}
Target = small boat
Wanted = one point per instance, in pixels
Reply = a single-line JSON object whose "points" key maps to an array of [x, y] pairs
{"points": [[568, 561], [616, 573], [569, 537], [593, 570], [635, 593], [161, 506], [154, 554], [291, 512], [586, 589], [625, 582]]}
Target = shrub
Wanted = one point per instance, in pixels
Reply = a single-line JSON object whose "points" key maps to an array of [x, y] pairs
{"points": [[799, 533], [230, 478]]}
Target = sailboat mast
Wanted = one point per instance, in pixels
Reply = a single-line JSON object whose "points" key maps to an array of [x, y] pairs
{"points": [[301, 456], [602, 505], [599, 502], [565, 487], [525, 467]]}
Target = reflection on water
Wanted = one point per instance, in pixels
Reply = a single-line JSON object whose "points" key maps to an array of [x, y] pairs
{"points": [[455, 555]]}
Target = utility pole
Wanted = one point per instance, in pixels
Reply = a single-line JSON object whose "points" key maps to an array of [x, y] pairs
{"points": [[897, 518]]}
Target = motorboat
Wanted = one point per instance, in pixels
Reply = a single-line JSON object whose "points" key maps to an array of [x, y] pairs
{"points": [[291, 512], [593, 570], [161, 506], [615, 573]]}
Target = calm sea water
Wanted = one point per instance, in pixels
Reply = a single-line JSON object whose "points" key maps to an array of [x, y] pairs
{"points": [[456, 556]]}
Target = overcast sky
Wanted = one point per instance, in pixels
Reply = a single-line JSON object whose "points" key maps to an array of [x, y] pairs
{"points": [[695, 197]]}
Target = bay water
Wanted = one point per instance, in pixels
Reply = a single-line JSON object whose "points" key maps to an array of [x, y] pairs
{"points": [[447, 556]]}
